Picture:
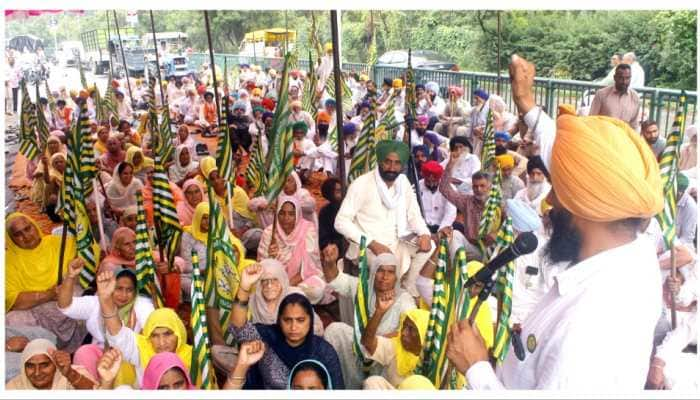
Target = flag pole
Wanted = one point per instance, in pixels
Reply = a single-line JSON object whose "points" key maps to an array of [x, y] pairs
{"points": [[213, 66], [109, 38], [121, 47], [62, 254], [100, 225], [498, 57], [674, 273], [155, 47], [338, 99]]}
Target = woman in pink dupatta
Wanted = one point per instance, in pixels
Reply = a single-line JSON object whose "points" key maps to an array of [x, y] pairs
{"points": [[292, 188], [193, 195], [169, 366], [122, 252], [296, 247]]}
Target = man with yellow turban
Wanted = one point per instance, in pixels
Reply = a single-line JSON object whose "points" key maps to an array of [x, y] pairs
{"points": [[510, 183], [585, 333], [382, 207]]}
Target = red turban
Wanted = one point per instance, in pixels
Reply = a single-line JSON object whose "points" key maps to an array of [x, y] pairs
{"points": [[431, 168], [268, 104]]}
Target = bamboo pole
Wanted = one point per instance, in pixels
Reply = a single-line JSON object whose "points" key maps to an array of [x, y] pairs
{"points": [[338, 99], [213, 66], [155, 47], [126, 68]]}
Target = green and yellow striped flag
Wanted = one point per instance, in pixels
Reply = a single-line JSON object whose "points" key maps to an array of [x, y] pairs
{"points": [[100, 112], [28, 145], [504, 290], [201, 368], [488, 150], [364, 158], [222, 266], [42, 125], [110, 100], [50, 98], [76, 180], [224, 150], [310, 99], [255, 173], [491, 215], [145, 266], [386, 130], [362, 314], [668, 165], [280, 161], [347, 93]]}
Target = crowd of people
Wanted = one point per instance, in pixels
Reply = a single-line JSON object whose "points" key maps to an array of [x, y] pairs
{"points": [[588, 187]]}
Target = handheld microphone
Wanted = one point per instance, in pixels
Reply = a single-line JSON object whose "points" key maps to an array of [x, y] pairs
{"points": [[525, 243]]}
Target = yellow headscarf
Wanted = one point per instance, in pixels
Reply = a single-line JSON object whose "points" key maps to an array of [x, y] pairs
{"points": [[35, 269], [163, 318], [199, 213], [602, 170], [207, 165], [406, 361], [131, 153], [416, 382]]}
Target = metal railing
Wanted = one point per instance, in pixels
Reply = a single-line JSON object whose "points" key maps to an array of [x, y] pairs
{"points": [[658, 104]]}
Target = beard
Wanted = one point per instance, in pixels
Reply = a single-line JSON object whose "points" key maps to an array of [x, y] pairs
{"points": [[534, 189], [565, 241], [388, 176], [432, 189]]}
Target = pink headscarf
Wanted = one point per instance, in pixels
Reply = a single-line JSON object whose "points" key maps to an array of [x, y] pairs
{"points": [[297, 241], [119, 236], [158, 366], [185, 212]]}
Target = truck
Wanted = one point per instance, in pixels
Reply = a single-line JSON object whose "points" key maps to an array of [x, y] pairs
{"points": [[267, 42], [169, 43], [101, 50], [69, 52]]}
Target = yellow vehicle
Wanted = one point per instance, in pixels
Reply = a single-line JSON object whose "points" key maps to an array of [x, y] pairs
{"points": [[267, 42]]}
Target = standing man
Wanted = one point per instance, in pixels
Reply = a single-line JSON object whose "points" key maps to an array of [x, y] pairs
{"points": [[381, 206], [615, 60], [637, 70], [575, 338], [618, 101]]}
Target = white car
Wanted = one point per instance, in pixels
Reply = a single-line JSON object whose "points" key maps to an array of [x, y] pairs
{"points": [[68, 53]]}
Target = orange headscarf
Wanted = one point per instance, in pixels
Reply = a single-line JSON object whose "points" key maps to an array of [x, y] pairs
{"points": [[603, 171]]}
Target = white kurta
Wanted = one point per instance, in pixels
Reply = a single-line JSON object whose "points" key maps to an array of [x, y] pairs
{"points": [[437, 210]]}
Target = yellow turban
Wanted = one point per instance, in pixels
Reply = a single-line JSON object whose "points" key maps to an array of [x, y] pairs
{"points": [[328, 47], [207, 165], [397, 84], [416, 382], [603, 171], [505, 161]]}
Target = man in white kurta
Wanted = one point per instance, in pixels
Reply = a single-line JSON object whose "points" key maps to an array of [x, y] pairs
{"points": [[387, 216], [576, 338], [439, 213]]}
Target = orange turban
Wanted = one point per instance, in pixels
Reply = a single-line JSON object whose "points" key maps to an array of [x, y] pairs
{"points": [[566, 109], [323, 118], [505, 161], [603, 171]]}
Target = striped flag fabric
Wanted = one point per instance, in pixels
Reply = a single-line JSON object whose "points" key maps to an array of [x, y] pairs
{"points": [[76, 180], [27, 124], [100, 112], [42, 125], [83, 80], [224, 150], [492, 211], [361, 314], [255, 173], [310, 99], [504, 290], [363, 156], [668, 165], [50, 98], [166, 134], [222, 266], [202, 373], [488, 151], [347, 93], [110, 100], [280, 161], [145, 266], [388, 123]]}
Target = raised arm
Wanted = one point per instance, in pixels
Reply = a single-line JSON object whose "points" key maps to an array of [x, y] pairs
{"points": [[239, 314], [369, 336], [65, 291]]}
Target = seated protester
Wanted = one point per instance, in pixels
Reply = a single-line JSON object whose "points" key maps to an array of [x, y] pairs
{"points": [[185, 139], [101, 142], [309, 375], [503, 139], [537, 187], [239, 124], [433, 142], [292, 188], [288, 341], [121, 190], [687, 218], [133, 311], [163, 331], [16, 339], [131, 136], [53, 182], [45, 368], [439, 213], [141, 163], [256, 129], [399, 355], [114, 155], [510, 184], [331, 191], [303, 149], [31, 275], [207, 115], [453, 120], [128, 218], [123, 106], [189, 108], [184, 167], [383, 279], [466, 165], [273, 286], [122, 252], [420, 156], [36, 173], [326, 159], [295, 244], [193, 195], [195, 238], [166, 371]]}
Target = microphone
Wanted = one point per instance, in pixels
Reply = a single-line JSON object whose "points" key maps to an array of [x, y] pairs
{"points": [[525, 243]]}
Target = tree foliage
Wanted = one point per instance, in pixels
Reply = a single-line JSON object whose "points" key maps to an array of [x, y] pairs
{"points": [[563, 44]]}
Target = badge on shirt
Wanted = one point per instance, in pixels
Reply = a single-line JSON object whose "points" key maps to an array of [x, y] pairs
{"points": [[531, 343]]}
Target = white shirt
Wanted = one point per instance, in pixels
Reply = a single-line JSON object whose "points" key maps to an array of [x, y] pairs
{"points": [[436, 209], [637, 79], [362, 213], [687, 219], [592, 331], [465, 168], [537, 201], [87, 308]]}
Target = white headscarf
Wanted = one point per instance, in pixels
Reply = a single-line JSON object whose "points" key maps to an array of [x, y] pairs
{"points": [[178, 171]]}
